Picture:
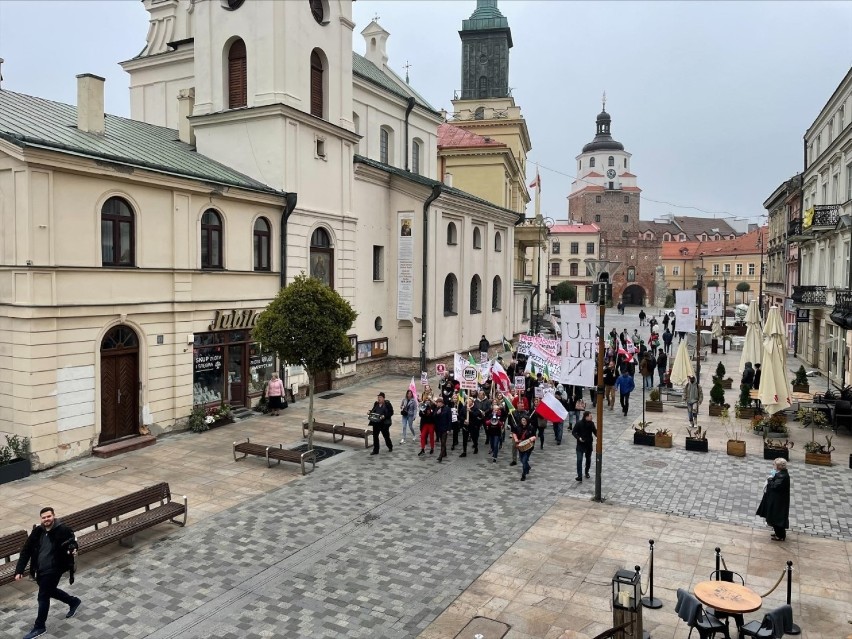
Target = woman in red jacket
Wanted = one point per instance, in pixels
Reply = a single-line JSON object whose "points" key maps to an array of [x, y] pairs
{"points": [[427, 426]]}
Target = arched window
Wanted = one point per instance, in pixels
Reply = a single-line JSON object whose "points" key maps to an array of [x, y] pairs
{"points": [[611, 161], [475, 294], [386, 145], [117, 233], [452, 234], [479, 114], [319, 11], [211, 239], [322, 257], [450, 295], [237, 75], [496, 294], [592, 162], [317, 85], [262, 244], [572, 269], [477, 238], [483, 86], [498, 242], [416, 154]]}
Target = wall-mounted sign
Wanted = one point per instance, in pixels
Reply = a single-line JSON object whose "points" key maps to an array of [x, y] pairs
{"points": [[803, 315], [224, 321]]}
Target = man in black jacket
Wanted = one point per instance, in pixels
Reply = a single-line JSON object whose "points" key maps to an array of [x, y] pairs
{"points": [[381, 418], [483, 347], [443, 425], [584, 432], [50, 551]]}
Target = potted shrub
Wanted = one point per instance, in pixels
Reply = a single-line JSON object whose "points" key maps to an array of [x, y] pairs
{"points": [[736, 447], [717, 399], [720, 376], [744, 408], [775, 448], [819, 454], [800, 383], [696, 439], [663, 438], [202, 419], [775, 427], [654, 404], [14, 459], [641, 437]]}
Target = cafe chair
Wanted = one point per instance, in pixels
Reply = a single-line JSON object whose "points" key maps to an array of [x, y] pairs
{"points": [[690, 610], [773, 626], [842, 415], [731, 577]]}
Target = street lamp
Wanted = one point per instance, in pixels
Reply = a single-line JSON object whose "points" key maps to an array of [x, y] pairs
{"points": [[724, 312], [699, 284], [603, 272]]}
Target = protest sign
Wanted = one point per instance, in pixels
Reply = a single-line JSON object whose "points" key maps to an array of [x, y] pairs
{"points": [[579, 337]]}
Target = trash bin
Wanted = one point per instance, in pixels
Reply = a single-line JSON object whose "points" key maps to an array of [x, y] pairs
{"points": [[714, 345], [627, 603]]}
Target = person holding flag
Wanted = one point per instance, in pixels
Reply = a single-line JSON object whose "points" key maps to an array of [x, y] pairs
{"points": [[521, 432], [550, 409], [500, 377]]}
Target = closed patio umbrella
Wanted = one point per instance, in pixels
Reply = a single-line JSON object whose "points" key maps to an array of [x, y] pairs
{"points": [[775, 390], [753, 347], [682, 367], [716, 327]]}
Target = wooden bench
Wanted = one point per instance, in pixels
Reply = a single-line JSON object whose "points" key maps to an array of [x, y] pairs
{"points": [[109, 523], [278, 454], [338, 429], [10, 548]]}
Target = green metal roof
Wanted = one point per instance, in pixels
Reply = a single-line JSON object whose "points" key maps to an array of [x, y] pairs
{"points": [[361, 66], [420, 179], [28, 121], [486, 16]]}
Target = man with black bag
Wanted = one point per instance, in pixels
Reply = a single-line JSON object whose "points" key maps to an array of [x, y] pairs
{"points": [[380, 419], [50, 550]]}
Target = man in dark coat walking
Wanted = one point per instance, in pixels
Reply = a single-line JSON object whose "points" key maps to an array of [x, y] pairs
{"points": [[50, 551], [584, 432], [381, 418], [775, 505], [443, 425], [483, 347]]}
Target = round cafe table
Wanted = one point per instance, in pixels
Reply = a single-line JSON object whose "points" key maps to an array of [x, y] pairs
{"points": [[728, 597]]}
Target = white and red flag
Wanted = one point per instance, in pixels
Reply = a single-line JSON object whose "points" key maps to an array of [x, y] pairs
{"points": [[551, 409], [500, 377]]}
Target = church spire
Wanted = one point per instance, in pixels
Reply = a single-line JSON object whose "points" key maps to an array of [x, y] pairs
{"points": [[486, 40]]}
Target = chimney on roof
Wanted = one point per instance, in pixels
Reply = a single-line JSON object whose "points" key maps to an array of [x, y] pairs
{"points": [[377, 42], [186, 103], [448, 178], [90, 103]]}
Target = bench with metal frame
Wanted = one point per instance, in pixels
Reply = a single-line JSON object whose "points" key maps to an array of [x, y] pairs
{"points": [[11, 546], [275, 454], [340, 430]]}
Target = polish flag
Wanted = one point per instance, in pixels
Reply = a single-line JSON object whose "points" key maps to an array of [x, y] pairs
{"points": [[551, 409], [500, 376], [413, 388]]}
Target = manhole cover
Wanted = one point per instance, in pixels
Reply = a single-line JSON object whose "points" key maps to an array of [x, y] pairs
{"points": [[330, 395], [653, 463], [322, 452], [100, 471], [485, 628]]}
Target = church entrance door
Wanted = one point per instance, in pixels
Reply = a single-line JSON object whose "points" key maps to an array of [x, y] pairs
{"points": [[633, 295]]}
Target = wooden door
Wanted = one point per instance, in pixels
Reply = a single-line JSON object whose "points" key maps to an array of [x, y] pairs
{"points": [[322, 382], [237, 375], [119, 385]]}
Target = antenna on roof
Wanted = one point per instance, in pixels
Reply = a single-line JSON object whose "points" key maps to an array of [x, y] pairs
{"points": [[1, 72], [407, 66], [603, 100]]}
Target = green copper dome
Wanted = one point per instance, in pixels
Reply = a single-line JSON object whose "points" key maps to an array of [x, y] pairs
{"points": [[486, 16]]}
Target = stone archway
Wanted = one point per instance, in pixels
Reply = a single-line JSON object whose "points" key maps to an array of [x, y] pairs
{"points": [[633, 295]]}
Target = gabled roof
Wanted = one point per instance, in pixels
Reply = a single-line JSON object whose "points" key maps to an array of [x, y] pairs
{"points": [[694, 226], [558, 229], [743, 245], [452, 136], [365, 69], [680, 250], [28, 121]]}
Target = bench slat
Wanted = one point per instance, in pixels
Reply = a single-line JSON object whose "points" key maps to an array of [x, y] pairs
{"points": [[118, 507], [12, 544], [127, 527]]}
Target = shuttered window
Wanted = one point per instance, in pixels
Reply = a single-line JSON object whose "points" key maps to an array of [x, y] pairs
{"points": [[317, 98], [237, 71]]}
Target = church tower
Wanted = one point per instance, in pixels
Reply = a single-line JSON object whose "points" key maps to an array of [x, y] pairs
{"points": [[486, 40]]}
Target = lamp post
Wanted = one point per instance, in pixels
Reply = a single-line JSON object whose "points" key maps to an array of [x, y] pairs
{"points": [[699, 284], [724, 313], [602, 271]]}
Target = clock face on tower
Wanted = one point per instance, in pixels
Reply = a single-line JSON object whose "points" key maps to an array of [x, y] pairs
{"points": [[610, 174]]}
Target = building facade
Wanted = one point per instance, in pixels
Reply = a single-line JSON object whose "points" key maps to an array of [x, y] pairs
{"points": [[570, 246], [782, 206]]}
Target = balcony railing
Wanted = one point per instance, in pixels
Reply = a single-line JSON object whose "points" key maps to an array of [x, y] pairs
{"points": [[809, 295], [794, 230], [825, 215]]}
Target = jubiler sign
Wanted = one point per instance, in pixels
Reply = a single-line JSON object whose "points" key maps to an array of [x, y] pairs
{"points": [[579, 325], [224, 321]]}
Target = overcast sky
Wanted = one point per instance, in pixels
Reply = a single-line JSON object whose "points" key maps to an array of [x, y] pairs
{"points": [[711, 98]]}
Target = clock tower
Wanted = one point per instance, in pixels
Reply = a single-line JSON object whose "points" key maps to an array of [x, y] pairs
{"points": [[486, 40]]}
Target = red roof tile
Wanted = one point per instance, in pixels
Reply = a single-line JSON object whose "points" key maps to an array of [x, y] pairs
{"points": [[574, 228], [452, 136]]}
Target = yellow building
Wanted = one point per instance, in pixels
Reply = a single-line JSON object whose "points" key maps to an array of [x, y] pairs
{"points": [[570, 246]]}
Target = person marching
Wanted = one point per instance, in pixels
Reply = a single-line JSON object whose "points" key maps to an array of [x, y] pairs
{"points": [[443, 425], [470, 425], [523, 440], [408, 412], [539, 422], [427, 426], [380, 417], [662, 362], [625, 385], [584, 432], [609, 377], [494, 429]]}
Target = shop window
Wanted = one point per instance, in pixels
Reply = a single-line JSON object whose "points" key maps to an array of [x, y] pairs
{"points": [[262, 244], [117, 233], [261, 367], [237, 75], [353, 342], [475, 294], [497, 294], [211, 240], [451, 286], [322, 257]]}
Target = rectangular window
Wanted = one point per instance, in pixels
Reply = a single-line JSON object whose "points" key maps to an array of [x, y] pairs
{"points": [[715, 269], [590, 248], [597, 199], [554, 268], [378, 263], [415, 158], [588, 272], [751, 269], [573, 269], [627, 199], [625, 219], [675, 270], [597, 218], [556, 248], [383, 146], [727, 269], [575, 248], [739, 269], [849, 181]]}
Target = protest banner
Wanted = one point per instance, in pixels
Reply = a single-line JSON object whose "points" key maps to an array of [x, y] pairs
{"points": [[526, 342], [685, 310], [579, 336]]}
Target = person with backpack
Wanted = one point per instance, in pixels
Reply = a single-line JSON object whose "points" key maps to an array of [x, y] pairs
{"points": [[625, 385], [408, 411], [380, 419]]}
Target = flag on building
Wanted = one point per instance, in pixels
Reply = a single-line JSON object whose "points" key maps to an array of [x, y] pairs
{"points": [[551, 409], [536, 183]]}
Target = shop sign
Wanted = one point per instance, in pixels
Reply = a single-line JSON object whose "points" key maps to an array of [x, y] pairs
{"points": [[224, 321], [803, 315], [260, 361], [208, 359]]}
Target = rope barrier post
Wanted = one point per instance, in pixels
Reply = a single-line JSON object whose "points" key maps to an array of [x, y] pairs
{"points": [[650, 601], [794, 630], [645, 633], [718, 559]]}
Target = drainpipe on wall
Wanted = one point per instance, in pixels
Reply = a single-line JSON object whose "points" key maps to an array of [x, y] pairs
{"points": [[408, 111], [289, 207], [436, 192]]}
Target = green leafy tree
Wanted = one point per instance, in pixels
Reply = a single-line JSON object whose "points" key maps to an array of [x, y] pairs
{"points": [[565, 292], [743, 288], [307, 323], [712, 283]]}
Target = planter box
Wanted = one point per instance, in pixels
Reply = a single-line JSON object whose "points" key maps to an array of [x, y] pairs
{"points": [[663, 441], [14, 470], [801, 388], [775, 453], [772, 435], [644, 439], [653, 407], [715, 410], [818, 459], [697, 445], [745, 413], [221, 422], [727, 383], [736, 448]]}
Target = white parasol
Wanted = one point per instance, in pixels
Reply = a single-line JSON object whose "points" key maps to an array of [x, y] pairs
{"points": [[682, 367], [716, 327], [753, 347], [775, 392]]}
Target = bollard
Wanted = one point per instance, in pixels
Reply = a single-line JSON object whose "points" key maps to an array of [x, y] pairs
{"points": [[650, 601], [795, 630], [718, 559]]}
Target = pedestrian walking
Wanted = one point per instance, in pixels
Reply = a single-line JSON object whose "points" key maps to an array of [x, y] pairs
{"points": [[775, 505], [443, 425], [667, 341], [642, 317], [455, 404], [427, 426], [50, 550], [662, 362], [483, 348], [380, 418], [494, 430], [625, 386], [470, 425], [559, 426], [665, 321], [523, 440], [748, 376], [275, 395], [584, 432], [539, 422], [609, 377], [408, 412], [693, 395]]}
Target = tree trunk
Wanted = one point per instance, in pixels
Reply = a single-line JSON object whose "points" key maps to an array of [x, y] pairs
{"points": [[310, 410]]}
